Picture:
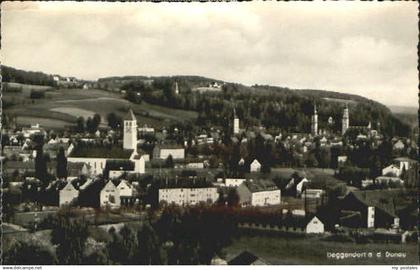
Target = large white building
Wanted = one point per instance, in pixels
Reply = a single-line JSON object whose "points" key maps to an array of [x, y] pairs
{"points": [[230, 182], [188, 194], [164, 151], [130, 131], [258, 193], [97, 164]]}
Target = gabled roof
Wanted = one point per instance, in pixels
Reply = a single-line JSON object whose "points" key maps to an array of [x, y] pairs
{"points": [[255, 162], [68, 184], [378, 199], [130, 116], [246, 258], [260, 185]]}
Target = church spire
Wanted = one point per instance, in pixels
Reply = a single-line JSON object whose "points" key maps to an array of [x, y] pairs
{"points": [[314, 122], [346, 120]]}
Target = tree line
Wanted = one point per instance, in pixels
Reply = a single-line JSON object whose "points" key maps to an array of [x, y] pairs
{"points": [[10, 74], [275, 108]]}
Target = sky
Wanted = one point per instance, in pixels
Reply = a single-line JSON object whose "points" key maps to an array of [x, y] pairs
{"points": [[364, 48]]}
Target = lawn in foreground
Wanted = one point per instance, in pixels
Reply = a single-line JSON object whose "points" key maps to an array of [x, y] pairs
{"points": [[312, 250]]}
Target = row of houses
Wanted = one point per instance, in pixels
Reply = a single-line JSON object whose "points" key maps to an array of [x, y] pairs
{"points": [[103, 193]]}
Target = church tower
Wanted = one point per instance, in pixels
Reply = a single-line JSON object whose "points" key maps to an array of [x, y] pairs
{"points": [[235, 122], [176, 88], [314, 122], [346, 120], [130, 131]]}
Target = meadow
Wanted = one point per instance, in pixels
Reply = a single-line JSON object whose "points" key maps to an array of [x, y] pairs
{"points": [[61, 107]]}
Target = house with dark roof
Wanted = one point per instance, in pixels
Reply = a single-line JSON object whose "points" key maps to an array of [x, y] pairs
{"points": [[368, 209], [76, 169], [247, 258], [259, 192]]}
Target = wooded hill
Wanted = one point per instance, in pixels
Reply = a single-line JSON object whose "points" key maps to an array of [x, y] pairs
{"points": [[13, 75], [276, 108]]}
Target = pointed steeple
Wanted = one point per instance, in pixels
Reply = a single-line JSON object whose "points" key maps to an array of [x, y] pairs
{"points": [[314, 122], [130, 116]]}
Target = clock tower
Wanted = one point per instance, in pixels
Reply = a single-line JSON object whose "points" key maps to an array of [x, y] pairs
{"points": [[130, 131]]}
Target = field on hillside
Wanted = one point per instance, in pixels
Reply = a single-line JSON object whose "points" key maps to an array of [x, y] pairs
{"points": [[312, 250], [62, 107], [339, 100]]}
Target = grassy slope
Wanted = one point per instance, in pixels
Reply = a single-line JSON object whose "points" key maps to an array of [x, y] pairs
{"points": [[98, 101]]}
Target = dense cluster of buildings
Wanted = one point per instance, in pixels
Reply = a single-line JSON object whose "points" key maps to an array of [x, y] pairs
{"points": [[98, 173]]}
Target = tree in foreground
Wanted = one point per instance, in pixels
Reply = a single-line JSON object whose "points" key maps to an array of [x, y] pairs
{"points": [[61, 164], [24, 253], [40, 165], [70, 237]]}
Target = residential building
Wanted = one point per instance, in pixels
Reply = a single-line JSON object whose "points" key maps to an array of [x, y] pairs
{"points": [[314, 225], [110, 196], [313, 193], [388, 180], [164, 151], [368, 209], [68, 194], [258, 193], [255, 166], [391, 170], [399, 145], [185, 192], [247, 258]]}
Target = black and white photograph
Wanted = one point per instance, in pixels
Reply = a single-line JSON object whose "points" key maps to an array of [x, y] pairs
{"points": [[209, 133]]}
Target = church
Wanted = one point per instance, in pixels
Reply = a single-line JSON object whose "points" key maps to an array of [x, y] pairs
{"points": [[99, 158], [345, 122]]}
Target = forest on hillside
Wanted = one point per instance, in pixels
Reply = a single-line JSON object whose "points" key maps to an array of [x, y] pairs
{"points": [[276, 108], [10, 74]]}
